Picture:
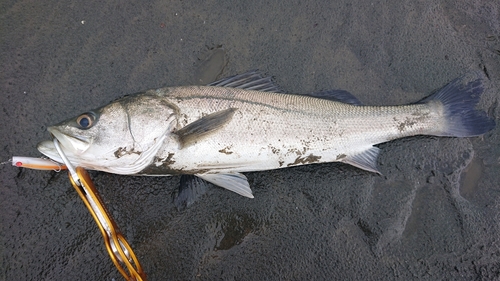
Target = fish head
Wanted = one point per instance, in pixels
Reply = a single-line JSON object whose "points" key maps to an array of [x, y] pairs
{"points": [[122, 137]]}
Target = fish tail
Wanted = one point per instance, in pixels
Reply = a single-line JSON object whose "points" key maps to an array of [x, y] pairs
{"points": [[458, 100]]}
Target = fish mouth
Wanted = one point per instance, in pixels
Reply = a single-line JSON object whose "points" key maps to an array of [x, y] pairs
{"points": [[75, 144], [70, 145], [48, 149]]}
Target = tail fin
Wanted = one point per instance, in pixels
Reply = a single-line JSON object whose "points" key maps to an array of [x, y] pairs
{"points": [[459, 98]]}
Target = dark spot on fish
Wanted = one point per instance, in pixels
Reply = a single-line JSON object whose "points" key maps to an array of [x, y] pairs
{"points": [[341, 157], [169, 160], [410, 122], [420, 116], [305, 160], [122, 151], [225, 150], [407, 123], [274, 150], [296, 151], [164, 168], [119, 152]]}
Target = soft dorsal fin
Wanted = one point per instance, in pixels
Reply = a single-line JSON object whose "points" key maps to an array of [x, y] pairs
{"points": [[336, 95], [252, 80], [204, 126]]}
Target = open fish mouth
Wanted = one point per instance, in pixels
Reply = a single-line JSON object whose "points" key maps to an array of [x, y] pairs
{"points": [[48, 149], [76, 145], [71, 145]]}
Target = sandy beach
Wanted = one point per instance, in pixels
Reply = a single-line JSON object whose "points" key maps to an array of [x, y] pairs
{"points": [[434, 214]]}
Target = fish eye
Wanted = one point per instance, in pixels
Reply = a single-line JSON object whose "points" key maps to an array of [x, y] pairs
{"points": [[86, 120]]}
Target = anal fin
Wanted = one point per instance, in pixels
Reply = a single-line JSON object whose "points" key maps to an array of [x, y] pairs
{"points": [[366, 160], [235, 182]]}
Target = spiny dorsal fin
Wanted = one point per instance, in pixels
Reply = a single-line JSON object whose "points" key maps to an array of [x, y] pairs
{"points": [[204, 126], [252, 80]]}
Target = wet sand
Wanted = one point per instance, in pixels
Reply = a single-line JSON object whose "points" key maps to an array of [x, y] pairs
{"points": [[433, 214]]}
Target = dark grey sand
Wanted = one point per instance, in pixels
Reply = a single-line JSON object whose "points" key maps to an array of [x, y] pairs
{"points": [[433, 215]]}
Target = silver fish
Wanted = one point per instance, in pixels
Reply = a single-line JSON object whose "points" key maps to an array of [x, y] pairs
{"points": [[245, 123]]}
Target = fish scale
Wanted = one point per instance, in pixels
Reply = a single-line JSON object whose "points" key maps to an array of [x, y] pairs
{"points": [[269, 128]]}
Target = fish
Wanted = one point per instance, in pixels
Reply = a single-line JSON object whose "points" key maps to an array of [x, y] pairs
{"points": [[246, 123]]}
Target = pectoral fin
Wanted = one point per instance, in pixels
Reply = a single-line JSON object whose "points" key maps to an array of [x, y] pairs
{"points": [[204, 126], [235, 182]]}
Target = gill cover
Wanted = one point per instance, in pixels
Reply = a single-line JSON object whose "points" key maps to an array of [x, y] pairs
{"points": [[149, 119]]}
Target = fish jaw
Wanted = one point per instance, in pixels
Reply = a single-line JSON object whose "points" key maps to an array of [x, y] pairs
{"points": [[77, 145], [72, 146], [48, 149]]}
